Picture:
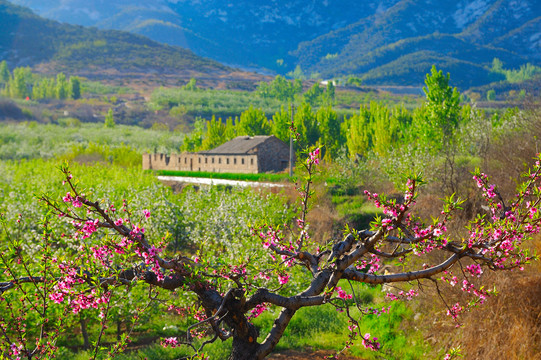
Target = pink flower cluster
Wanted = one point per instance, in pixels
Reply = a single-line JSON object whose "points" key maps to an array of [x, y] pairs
{"points": [[258, 310], [89, 227], [270, 238], [371, 344], [76, 201], [455, 311], [171, 342], [404, 295], [474, 269], [82, 301], [342, 294], [150, 256], [283, 279], [372, 265], [146, 213], [15, 351], [313, 157]]}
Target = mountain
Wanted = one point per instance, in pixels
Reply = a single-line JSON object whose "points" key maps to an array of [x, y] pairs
{"points": [[382, 41], [252, 33], [400, 44], [29, 40]]}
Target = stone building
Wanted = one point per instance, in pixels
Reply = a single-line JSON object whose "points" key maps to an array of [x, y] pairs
{"points": [[243, 154]]}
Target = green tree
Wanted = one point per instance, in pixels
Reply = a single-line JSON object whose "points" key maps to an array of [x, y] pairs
{"points": [[307, 127], [313, 96], [329, 129], [18, 83], [359, 134], [215, 134], [354, 81], [4, 72], [109, 119], [281, 122], [280, 88], [497, 65], [491, 95], [436, 121], [385, 128], [75, 87], [330, 93], [230, 129], [39, 90], [191, 85], [297, 73], [62, 86], [253, 122], [194, 140]]}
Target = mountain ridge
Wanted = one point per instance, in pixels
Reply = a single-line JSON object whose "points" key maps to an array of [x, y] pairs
{"points": [[327, 39], [29, 40]]}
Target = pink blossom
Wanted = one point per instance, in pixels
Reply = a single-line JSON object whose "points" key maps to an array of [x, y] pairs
{"points": [[342, 294], [57, 297], [314, 157], [370, 344], [258, 310], [77, 202], [283, 279], [170, 342]]}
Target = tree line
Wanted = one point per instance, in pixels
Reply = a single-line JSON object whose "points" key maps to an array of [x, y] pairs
{"points": [[373, 128], [23, 84]]}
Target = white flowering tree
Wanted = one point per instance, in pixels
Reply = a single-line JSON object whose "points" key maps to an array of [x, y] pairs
{"points": [[285, 269]]}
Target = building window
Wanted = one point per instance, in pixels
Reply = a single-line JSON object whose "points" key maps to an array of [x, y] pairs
{"points": [[242, 161], [251, 161], [235, 161], [185, 160], [227, 161], [206, 161], [199, 160], [213, 160], [219, 160]]}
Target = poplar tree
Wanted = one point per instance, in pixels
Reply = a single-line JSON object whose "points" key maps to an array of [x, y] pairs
{"points": [[329, 128], [253, 122], [109, 119], [4, 72], [281, 121], [62, 89], [17, 84], [359, 134], [307, 127], [75, 87], [215, 134], [439, 117]]}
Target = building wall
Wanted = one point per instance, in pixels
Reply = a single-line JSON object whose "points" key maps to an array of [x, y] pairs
{"points": [[273, 155], [270, 155], [245, 164]]}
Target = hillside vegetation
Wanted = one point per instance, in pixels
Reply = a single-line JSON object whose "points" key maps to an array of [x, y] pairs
{"points": [[28, 40], [383, 42]]}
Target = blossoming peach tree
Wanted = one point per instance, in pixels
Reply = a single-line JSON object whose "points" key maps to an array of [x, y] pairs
{"points": [[108, 252]]}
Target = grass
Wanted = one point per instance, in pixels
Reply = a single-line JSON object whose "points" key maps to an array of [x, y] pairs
{"points": [[316, 328], [227, 176]]}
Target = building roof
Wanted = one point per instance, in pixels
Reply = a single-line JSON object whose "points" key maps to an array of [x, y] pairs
{"points": [[239, 146]]}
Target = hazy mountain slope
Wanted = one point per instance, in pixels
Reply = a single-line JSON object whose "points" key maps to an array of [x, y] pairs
{"points": [[327, 37], [27, 39], [248, 32], [478, 31]]}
